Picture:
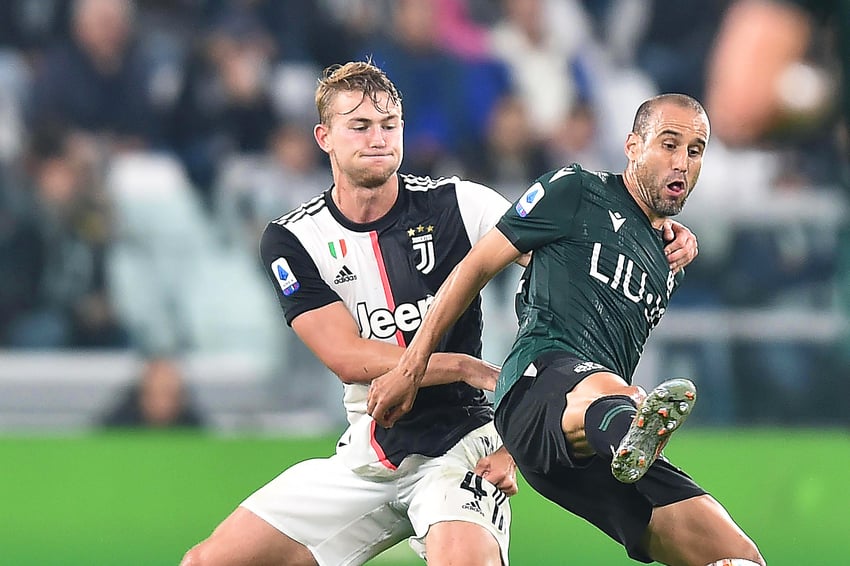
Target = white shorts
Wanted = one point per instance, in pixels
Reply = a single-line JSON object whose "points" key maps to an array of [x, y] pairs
{"points": [[346, 519]]}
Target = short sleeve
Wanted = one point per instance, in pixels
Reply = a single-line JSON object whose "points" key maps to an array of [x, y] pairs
{"points": [[293, 273], [480, 207], [545, 212]]}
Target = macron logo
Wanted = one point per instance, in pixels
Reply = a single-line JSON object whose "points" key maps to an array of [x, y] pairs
{"points": [[616, 220]]}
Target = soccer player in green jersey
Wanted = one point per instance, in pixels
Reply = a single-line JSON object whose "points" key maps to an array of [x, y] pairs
{"points": [[597, 283]]}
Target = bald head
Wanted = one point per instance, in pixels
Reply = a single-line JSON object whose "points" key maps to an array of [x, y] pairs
{"points": [[647, 112]]}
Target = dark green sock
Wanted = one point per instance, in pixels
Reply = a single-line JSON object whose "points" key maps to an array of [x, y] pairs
{"points": [[606, 422]]}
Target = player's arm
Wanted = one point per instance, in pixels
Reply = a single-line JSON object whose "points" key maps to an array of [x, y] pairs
{"points": [[392, 395], [758, 41], [332, 334]]}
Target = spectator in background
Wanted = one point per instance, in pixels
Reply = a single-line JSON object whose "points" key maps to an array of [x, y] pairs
{"points": [[252, 188], [511, 153], [224, 106], [97, 81], [72, 307], [302, 30], [21, 257], [676, 61], [31, 26], [159, 399], [759, 78], [576, 139], [761, 82], [791, 264], [461, 32], [447, 100], [541, 43]]}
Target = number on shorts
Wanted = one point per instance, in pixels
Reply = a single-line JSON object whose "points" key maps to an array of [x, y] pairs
{"points": [[474, 483]]}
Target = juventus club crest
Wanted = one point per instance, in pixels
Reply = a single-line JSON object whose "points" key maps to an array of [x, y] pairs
{"points": [[422, 238]]}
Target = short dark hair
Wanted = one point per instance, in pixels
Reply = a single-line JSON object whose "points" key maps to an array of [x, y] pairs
{"points": [[646, 110], [357, 76]]}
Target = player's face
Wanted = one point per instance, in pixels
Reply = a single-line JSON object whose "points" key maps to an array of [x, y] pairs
{"points": [[667, 163], [364, 141]]}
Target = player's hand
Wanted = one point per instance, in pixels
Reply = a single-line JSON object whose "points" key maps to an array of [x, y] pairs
{"points": [[480, 374], [682, 247], [391, 396], [499, 469]]}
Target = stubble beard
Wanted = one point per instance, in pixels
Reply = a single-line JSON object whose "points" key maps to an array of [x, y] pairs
{"points": [[665, 207], [369, 179], [653, 190]]}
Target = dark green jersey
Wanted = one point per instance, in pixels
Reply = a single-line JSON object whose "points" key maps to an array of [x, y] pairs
{"points": [[598, 280]]}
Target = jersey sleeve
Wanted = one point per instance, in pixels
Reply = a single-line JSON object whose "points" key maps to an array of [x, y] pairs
{"points": [[545, 212], [293, 273], [480, 207]]}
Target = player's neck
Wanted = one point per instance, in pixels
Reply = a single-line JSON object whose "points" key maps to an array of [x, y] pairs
{"points": [[640, 197], [363, 205]]}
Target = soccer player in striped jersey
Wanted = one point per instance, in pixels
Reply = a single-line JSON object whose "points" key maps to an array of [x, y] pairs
{"points": [[597, 283], [355, 270]]}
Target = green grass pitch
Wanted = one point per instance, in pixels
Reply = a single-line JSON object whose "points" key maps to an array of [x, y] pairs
{"points": [[144, 498]]}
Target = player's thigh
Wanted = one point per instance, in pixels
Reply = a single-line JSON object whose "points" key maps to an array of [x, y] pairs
{"points": [[456, 501], [461, 543], [696, 531], [341, 518], [244, 539]]}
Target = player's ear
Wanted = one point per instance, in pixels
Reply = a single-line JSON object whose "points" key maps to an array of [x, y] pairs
{"points": [[634, 143], [321, 133]]}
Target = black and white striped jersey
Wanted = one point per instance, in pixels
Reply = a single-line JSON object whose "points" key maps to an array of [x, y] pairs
{"points": [[387, 273]]}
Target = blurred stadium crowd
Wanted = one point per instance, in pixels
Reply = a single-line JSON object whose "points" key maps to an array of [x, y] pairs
{"points": [[144, 145]]}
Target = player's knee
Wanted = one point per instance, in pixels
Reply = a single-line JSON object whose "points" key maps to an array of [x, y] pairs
{"points": [[462, 544], [636, 393], [750, 553], [194, 556], [738, 562], [740, 547]]}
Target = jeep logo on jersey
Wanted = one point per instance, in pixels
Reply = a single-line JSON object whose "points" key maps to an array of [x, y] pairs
{"points": [[383, 323], [621, 280], [424, 244], [283, 274]]}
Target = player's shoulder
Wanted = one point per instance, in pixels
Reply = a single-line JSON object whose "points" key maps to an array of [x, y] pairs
{"points": [[574, 175], [308, 217], [306, 209], [438, 186]]}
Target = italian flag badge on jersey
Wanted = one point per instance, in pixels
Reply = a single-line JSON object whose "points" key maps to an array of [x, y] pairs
{"points": [[337, 249]]}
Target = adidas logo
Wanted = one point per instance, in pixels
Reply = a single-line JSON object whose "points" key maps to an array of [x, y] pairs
{"points": [[344, 276], [473, 506]]}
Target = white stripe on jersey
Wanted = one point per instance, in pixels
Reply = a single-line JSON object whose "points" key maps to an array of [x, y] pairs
{"points": [[312, 205]]}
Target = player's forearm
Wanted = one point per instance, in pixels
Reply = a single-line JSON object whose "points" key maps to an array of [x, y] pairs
{"points": [[364, 360]]}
